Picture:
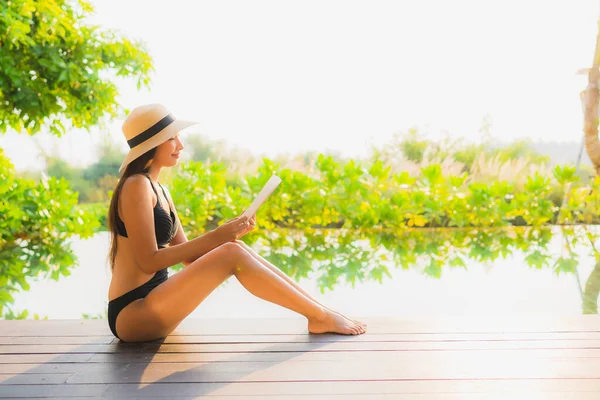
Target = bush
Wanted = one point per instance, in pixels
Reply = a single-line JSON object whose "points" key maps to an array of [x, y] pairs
{"points": [[36, 221]]}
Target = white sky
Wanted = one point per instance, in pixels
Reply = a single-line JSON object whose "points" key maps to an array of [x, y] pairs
{"points": [[287, 76]]}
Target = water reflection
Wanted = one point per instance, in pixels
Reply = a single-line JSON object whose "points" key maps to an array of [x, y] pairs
{"points": [[426, 272], [351, 255]]}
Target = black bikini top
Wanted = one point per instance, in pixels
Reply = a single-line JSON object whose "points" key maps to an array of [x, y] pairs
{"points": [[164, 224]]}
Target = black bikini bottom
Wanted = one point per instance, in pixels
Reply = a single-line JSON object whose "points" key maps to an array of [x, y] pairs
{"points": [[116, 305]]}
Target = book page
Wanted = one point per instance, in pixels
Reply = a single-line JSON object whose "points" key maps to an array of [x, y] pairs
{"points": [[264, 194]]}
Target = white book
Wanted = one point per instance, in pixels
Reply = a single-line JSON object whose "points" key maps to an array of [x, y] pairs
{"points": [[262, 196]]}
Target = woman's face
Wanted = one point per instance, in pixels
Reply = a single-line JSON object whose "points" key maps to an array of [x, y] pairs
{"points": [[167, 153]]}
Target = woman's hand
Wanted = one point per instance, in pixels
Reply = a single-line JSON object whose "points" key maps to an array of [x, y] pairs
{"points": [[249, 225], [235, 228]]}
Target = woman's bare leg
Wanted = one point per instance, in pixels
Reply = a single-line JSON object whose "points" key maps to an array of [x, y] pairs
{"points": [[289, 280], [166, 306]]}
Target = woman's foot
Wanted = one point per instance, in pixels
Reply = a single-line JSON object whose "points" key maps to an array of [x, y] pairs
{"points": [[335, 323], [353, 320]]}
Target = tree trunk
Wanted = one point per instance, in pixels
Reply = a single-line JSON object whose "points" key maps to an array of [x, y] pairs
{"points": [[590, 109], [591, 292]]}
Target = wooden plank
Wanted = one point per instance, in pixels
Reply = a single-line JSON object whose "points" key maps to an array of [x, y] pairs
{"points": [[439, 396], [33, 379], [81, 340], [42, 358], [156, 347], [506, 388], [383, 337], [549, 356], [583, 323], [294, 371], [306, 338], [273, 356], [327, 356], [83, 398], [431, 366], [110, 363], [64, 391], [319, 371], [61, 368]]}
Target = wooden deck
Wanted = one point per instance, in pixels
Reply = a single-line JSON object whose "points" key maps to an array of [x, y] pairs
{"points": [[532, 358]]}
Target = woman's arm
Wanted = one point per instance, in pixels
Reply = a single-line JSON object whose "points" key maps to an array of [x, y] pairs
{"points": [[204, 246], [180, 238], [136, 203], [184, 251]]}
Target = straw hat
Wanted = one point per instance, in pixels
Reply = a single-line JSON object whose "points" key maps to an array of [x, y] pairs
{"points": [[148, 126]]}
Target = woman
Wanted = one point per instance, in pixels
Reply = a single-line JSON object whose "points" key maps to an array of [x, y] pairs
{"points": [[147, 238]]}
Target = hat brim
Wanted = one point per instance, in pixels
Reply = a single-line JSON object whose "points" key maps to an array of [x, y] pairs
{"points": [[173, 129]]}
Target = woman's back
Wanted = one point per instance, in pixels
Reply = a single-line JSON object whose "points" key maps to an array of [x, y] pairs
{"points": [[126, 273]]}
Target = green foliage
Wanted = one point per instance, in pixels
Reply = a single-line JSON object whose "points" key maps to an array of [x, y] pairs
{"points": [[110, 158], [36, 221], [468, 153], [335, 256], [54, 69], [93, 182], [565, 174], [519, 149], [11, 314], [416, 148], [96, 316], [53, 64], [412, 147], [356, 195], [97, 212], [582, 204], [59, 168]]}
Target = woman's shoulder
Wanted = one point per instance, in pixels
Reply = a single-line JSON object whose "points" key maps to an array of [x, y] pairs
{"points": [[137, 178], [135, 184]]}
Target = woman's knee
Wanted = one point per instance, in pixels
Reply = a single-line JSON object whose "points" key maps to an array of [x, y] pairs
{"points": [[231, 249], [227, 255], [242, 245]]}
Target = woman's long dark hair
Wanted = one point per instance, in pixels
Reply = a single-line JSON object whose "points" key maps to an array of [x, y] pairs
{"points": [[140, 165]]}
